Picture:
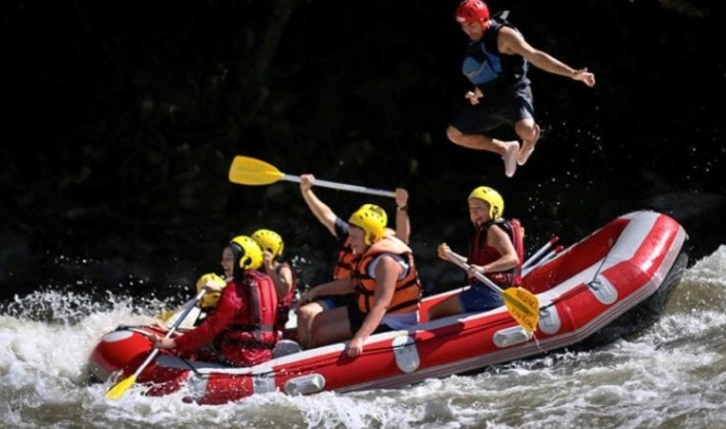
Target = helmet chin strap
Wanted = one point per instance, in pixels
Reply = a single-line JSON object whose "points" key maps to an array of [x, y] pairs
{"points": [[371, 239]]}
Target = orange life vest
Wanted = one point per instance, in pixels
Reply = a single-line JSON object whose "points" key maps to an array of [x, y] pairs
{"points": [[346, 262], [407, 295]]}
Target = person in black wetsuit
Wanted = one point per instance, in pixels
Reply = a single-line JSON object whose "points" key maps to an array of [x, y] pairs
{"points": [[496, 63]]}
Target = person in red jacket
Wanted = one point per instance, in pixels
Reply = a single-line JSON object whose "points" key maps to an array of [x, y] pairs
{"points": [[240, 330], [282, 272]]}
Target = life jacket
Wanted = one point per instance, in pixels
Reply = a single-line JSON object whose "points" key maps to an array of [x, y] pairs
{"points": [[480, 253], [284, 303], [251, 336], [487, 68], [346, 262], [203, 313], [407, 295]]}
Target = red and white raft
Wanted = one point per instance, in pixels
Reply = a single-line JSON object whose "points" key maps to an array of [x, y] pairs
{"points": [[590, 293]]}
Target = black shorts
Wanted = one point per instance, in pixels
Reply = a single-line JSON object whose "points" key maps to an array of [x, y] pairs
{"points": [[356, 318], [507, 108]]}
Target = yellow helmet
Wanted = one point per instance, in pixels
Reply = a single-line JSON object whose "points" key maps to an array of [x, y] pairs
{"points": [[269, 240], [492, 198], [210, 298], [247, 253], [377, 209], [372, 220]]}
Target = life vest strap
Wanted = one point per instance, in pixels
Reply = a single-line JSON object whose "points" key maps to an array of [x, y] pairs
{"points": [[412, 282]]}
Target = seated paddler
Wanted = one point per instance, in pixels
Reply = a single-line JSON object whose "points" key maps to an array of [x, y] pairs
{"points": [[384, 281], [240, 330]]}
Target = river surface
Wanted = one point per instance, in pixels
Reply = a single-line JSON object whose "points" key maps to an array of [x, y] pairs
{"points": [[672, 375]]}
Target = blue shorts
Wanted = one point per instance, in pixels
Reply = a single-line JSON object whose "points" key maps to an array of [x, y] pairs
{"points": [[327, 303], [478, 298], [333, 301]]}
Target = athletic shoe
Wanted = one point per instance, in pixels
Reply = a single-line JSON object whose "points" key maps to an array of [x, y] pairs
{"points": [[510, 158], [527, 149]]}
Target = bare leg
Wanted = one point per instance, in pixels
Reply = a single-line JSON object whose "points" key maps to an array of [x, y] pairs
{"points": [[508, 150], [529, 132], [476, 141], [331, 326], [447, 307], [305, 318]]}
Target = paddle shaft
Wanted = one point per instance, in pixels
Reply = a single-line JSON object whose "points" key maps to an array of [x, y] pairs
{"points": [[250, 171], [459, 260], [551, 254], [522, 305], [342, 186], [173, 328], [539, 253]]}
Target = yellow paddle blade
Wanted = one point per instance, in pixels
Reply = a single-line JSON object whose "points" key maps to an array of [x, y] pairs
{"points": [[118, 390], [523, 306], [166, 315], [250, 171]]}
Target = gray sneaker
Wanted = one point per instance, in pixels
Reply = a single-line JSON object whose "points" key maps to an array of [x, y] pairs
{"points": [[510, 158]]}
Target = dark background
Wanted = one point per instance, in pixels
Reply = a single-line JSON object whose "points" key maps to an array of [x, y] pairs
{"points": [[121, 120]]}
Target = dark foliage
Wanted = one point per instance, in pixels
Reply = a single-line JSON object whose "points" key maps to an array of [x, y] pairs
{"points": [[122, 120]]}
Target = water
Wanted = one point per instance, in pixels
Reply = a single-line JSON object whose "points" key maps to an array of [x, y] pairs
{"points": [[670, 376]]}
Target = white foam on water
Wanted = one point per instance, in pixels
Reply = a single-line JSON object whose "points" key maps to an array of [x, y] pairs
{"points": [[709, 270], [671, 375]]}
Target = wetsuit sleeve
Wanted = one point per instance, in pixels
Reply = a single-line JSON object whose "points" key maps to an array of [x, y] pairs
{"points": [[341, 230], [229, 303]]}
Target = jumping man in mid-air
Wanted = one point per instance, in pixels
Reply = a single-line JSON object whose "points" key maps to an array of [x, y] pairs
{"points": [[496, 64]]}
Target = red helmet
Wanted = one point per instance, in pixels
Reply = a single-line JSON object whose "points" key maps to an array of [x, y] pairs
{"points": [[472, 11]]}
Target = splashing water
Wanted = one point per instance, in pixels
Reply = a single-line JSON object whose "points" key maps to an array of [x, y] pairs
{"points": [[672, 375]]}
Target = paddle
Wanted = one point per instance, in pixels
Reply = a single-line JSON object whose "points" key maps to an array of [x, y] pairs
{"points": [[521, 303], [117, 390], [250, 171], [532, 259]]}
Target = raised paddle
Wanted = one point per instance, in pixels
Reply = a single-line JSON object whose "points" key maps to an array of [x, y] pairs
{"points": [[250, 171], [521, 303], [118, 389]]}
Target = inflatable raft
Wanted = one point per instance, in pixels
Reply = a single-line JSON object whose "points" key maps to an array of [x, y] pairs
{"points": [[590, 293]]}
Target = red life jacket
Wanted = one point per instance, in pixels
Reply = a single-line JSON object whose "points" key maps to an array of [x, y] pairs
{"points": [[284, 303], [480, 253], [250, 337], [346, 262]]}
